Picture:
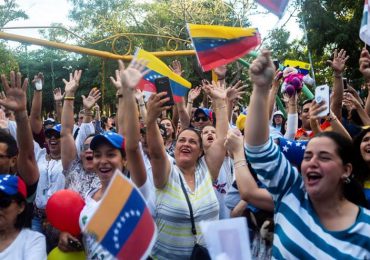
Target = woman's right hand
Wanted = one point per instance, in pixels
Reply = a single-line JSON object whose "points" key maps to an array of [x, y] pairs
{"points": [[155, 106], [65, 243]]}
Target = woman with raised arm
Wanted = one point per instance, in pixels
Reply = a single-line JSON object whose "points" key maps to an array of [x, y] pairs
{"points": [[185, 175], [313, 217], [111, 152], [77, 157]]}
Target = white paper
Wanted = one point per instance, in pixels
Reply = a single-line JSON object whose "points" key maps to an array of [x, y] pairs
{"points": [[227, 239]]}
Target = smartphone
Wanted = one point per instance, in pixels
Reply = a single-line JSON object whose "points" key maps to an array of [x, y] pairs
{"points": [[345, 83], [322, 93], [74, 244], [276, 63], [38, 84], [163, 85]]}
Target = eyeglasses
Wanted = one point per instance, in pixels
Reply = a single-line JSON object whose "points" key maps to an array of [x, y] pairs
{"points": [[203, 119], [50, 135], [5, 202]]}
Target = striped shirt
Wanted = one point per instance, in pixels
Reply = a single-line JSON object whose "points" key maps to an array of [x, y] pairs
{"points": [[298, 231], [175, 240]]}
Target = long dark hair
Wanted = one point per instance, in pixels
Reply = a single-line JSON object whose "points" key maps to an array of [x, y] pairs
{"points": [[361, 170], [352, 191]]}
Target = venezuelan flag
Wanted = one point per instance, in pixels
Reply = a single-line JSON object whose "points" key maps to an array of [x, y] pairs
{"points": [[303, 67], [123, 224], [158, 68], [219, 45], [276, 7]]}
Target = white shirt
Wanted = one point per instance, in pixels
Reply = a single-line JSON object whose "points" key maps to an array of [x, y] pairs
{"points": [[27, 245]]}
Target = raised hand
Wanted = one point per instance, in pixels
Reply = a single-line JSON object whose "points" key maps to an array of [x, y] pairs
{"points": [[38, 81], [339, 61], [131, 76], [350, 99], [176, 67], [194, 93], [235, 92], [57, 94], [234, 141], [214, 90], [365, 63], [4, 122], [139, 95], [16, 98], [74, 80], [91, 99], [316, 108], [262, 70], [220, 72], [155, 106]]}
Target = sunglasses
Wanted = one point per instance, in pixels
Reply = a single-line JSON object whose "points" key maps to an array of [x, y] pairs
{"points": [[50, 135], [5, 202], [86, 147], [203, 119]]}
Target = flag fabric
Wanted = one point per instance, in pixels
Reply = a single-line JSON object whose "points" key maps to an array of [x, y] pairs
{"points": [[365, 24], [123, 224], [277, 7], [303, 67], [219, 45], [293, 150], [158, 68]]}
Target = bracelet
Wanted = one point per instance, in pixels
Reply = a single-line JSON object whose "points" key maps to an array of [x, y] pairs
{"points": [[219, 107], [338, 76], [142, 105], [242, 160], [189, 102], [119, 95], [69, 98], [331, 119], [240, 165], [88, 114]]}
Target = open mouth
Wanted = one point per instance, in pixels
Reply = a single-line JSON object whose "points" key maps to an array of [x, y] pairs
{"points": [[53, 142], [313, 178], [210, 138], [89, 158], [185, 150]]}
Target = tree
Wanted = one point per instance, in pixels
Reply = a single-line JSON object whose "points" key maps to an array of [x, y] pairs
{"points": [[9, 12], [334, 24]]}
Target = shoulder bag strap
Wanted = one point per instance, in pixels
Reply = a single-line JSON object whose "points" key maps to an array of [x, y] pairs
{"points": [[193, 229]]}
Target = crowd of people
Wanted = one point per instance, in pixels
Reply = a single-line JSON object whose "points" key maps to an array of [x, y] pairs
{"points": [[301, 180]]}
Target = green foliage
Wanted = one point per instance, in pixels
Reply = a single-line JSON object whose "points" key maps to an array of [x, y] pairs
{"points": [[7, 60], [334, 24], [9, 12]]}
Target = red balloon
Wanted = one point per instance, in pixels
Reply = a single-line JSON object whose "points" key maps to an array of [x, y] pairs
{"points": [[63, 211]]}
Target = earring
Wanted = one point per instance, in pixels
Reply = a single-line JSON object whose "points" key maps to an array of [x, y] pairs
{"points": [[347, 180]]}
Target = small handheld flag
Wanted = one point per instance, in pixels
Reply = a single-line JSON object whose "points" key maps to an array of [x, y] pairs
{"points": [[123, 224], [158, 69], [365, 24], [303, 67], [277, 7], [219, 45]]}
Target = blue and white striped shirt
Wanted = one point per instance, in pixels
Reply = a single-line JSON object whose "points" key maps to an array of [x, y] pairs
{"points": [[298, 231]]}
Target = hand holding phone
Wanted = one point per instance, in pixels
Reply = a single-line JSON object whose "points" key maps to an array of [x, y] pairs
{"points": [[322, 94], [74, 244], [163, 85]]}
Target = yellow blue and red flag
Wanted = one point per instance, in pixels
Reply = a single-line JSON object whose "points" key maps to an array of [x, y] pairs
{"points": [[158, 68], [123, 224], [219, 45], [302, 67], [276, 7]]}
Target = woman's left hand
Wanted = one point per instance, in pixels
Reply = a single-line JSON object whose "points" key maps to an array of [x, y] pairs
{"points": [[234, 141]]}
